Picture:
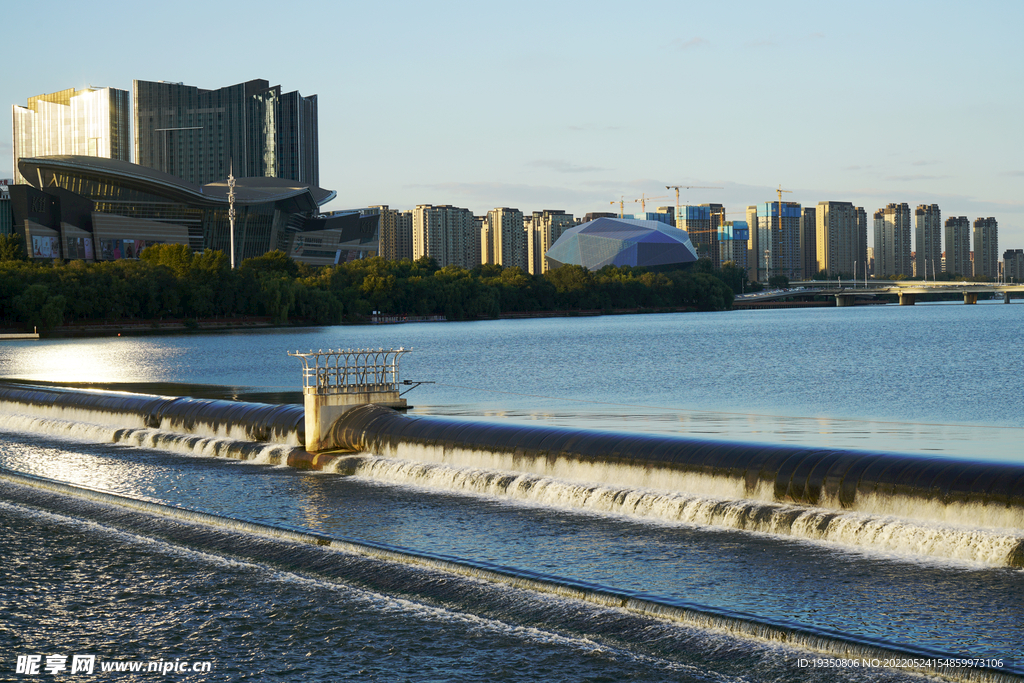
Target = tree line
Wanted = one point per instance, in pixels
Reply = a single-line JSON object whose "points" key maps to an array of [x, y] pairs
{"points": [[169, 281]]}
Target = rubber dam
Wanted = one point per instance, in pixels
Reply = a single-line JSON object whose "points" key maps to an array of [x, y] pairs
{"points": [[909, 504]]}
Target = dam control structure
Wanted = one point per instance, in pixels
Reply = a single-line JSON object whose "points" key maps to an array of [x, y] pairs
{"points": [[336, 381]]}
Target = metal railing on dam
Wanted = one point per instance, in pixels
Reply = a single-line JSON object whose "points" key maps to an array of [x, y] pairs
{"points": [[937, 489]]}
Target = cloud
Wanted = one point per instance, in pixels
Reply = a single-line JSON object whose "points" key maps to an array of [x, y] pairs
{"points": [[1013, 174], [853, 168], [910, 178], [681, 44], [565, 166], [761, 43], [587, 126], [924, 163]]}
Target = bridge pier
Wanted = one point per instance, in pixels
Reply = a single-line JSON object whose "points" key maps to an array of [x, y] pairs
{"points": [[907, 299], [970, 297], [1006, 297], [843, 300]]}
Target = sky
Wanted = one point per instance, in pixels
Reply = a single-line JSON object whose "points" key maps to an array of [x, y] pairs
{"points": [[575, 105]]}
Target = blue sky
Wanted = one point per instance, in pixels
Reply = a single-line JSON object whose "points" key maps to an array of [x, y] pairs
{"points": [[572, 105]]}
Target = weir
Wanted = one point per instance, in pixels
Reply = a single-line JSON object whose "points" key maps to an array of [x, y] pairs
{"points": [[956, 509], [205, 426], [936, 489]]}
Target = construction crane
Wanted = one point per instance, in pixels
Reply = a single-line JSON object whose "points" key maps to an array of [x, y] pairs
{"points": [[767, 251], [689, 187], [622, 205], [698, 237], [643, 201]]}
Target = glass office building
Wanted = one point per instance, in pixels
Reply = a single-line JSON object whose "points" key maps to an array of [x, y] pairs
{"points": [[90, 122], [104, 209], [251, 128]]}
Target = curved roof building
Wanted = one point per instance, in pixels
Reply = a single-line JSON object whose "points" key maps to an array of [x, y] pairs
{"points": [[622, 242], [103, 209]]}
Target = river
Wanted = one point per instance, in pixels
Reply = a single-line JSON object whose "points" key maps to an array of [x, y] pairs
{"points": [[943, 380]]}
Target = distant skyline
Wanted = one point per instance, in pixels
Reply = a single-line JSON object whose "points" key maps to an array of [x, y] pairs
{"points": [[570, 105]]}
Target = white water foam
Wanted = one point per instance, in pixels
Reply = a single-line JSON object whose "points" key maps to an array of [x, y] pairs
{"points": [[129, 420], [185, 444], [651, 476], [72, 414], [854, 529], [734, 626]]}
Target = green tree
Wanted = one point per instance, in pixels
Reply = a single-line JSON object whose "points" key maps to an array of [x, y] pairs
{"points": [[12, 248], [38, 308], [276, 262]]}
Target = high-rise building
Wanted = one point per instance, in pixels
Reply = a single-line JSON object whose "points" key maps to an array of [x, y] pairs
{"points": [[91, 122], [251, 128], [486, 241], [6, 214], [892, 241], [701, 223], [446, 233], [1013, 265], [509, 237], [778, 240], [395, 233], [733, 238], [986, 248], [958, 246], [841, 239], [809, 241], [545, 227], [671, 211], [927, 240]]}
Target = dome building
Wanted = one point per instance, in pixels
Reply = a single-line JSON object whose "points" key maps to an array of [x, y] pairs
{"points": [[623, 242]]}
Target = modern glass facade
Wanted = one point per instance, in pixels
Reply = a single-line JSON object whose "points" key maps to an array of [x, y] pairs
{"points": [[250, 129], [622, 242], [91, 122], [104, 209]]}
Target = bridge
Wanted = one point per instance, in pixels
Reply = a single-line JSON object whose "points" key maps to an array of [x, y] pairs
{"points": [[847, 293]]}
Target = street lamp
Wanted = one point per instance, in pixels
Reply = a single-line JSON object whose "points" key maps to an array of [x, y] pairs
{"points": [[231, 208]]}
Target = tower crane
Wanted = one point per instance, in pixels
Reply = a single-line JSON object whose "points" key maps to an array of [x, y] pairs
{"points": [[703, 237], [622, 205], [643, 201], [689, 187], [767, 249]]}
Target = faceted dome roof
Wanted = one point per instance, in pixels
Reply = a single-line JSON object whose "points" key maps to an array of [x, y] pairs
{"points": [[622, 242]]}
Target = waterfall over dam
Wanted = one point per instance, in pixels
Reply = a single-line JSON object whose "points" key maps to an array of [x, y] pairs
{"points": [[270, 433], [906, 503]]}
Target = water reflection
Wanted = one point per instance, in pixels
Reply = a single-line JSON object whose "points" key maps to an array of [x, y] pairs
{"points": [[880, 378]]}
